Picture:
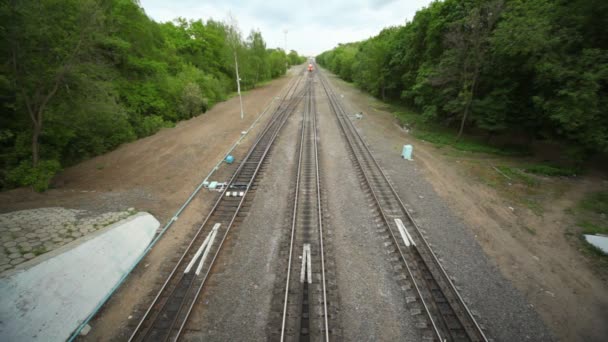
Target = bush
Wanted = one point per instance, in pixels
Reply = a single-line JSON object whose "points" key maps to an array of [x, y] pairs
{"points": [[150, 125], [191, 101], [37, 177]]}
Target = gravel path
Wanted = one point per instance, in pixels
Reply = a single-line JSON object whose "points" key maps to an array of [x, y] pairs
{"points": [[502, 309]]}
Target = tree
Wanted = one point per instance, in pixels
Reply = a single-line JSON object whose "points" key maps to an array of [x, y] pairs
{"points": [[258, 56], [45, 49], [79, 78], [468, 42]]}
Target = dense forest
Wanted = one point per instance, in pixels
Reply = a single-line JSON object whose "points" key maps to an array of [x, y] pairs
{"points": [[536, 70], [80, 77]]}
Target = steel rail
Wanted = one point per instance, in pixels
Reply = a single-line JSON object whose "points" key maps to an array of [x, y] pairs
{"points": [[293, 229], [309, 133], [153, 319], [314, 120], [332, 101], [230, 226], [280, 113], [176, 215], [336, 105]]}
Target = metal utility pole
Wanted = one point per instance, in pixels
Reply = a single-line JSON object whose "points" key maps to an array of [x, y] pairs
{"points": [[238, 82], [234, 40]]}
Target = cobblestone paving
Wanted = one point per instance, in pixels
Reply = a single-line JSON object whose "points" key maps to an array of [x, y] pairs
{"points": [[26, 234]]}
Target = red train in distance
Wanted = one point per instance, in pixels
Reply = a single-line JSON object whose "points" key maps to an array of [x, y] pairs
{"points": [[310, 68]]}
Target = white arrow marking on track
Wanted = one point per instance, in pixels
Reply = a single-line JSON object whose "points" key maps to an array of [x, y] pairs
{"points": [[405, 235], [204, 247], [306, 264]]}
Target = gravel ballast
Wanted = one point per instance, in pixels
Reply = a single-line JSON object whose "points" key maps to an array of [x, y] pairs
{"points": [[236, 306], [504, 312], [372, 306]]}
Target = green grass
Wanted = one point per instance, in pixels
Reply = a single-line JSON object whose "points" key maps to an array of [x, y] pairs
{"points": [[551, 170], [467, 144], [517, 176], [443, 136], [596, 202], [593, 229], [591, 212], [534, 206]]}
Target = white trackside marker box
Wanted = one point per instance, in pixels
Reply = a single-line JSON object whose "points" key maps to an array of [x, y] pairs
{"points": [[306, 272], [405, 235], [204, 249]]}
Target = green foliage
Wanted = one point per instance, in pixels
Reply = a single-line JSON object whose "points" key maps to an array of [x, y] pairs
{"points": [[591, 228], [596, 203], [591, 213], [82, 77], [518, 176], [150, 125], [534, 69], [37, 177], [294, 59], [551, 170], [423, 128], [191, 102]]}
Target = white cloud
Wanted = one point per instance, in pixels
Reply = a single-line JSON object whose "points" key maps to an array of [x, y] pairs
{"points": [[313, 26]]}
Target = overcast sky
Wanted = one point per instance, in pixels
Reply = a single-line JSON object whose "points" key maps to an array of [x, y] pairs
{"points": [[313, 25]]}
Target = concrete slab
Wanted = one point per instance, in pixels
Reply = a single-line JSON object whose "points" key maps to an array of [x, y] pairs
{"points": [[48, 300], [598, 241]]}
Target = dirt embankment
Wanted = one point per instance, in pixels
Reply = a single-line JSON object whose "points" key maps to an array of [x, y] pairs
{"points": [[156, 173]]}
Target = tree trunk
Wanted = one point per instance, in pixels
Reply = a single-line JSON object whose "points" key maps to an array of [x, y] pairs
{"points": [[464, 119], [35, 145], [468, 104]]}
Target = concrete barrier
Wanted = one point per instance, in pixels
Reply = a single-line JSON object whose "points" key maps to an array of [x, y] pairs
{"points": [[48, 298]]}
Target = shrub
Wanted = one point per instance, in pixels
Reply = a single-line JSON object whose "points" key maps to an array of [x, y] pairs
{"points": [[150, 125], [191, 101], [37, 177]]}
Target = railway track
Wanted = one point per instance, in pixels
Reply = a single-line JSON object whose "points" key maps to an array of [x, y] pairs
{"points": [[168, 313], [305, 298], [431, 293]]}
